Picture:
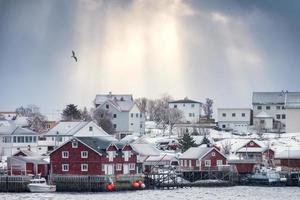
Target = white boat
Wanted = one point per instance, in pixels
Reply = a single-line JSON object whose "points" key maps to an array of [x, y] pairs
{"points": [[40, 185]]}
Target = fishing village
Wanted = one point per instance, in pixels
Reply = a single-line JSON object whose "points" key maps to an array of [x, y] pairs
{"points": [[76, 155]]}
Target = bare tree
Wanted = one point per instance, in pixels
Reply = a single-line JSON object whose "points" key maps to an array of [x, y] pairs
{"points": [[260, 128], [175, 116], [208, 108], [226, 147], [104, 120], [85, 115], [142, 104]]}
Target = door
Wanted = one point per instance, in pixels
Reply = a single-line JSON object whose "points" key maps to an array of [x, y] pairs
{"points": [[109, 169], [125, 168]]}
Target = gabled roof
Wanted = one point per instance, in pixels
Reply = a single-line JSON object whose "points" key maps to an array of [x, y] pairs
{"points": [[198, 152], [121, 106], [288, 154], [185, 100], [98, 144], [145, 149], [100, 98], [15, 130], [29, 153], [66, 128], [29, 159]]}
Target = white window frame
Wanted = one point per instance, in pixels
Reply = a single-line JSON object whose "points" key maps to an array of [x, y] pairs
{"points": [[197, 163], [74, 144], [86, 154], [131, 166], [185, 163], [219, 162], [181, 163], [63, 167], [190, 163], [65, 154], [103, 167], [207, 163], [127, 155], [110, 155], [86, 168], [119, 167], [213, 154]]}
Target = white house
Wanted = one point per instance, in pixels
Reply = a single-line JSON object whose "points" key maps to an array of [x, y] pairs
{"points": [[14, 139], [238, 119], [64, 131], [8, 115], [293, 112], [127, 117], [275, 107], [191, 109]]}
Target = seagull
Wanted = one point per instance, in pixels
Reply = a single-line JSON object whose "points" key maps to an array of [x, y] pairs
{"points": [[73, 56]]}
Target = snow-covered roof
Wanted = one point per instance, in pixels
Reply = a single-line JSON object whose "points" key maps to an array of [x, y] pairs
{"points": [[100, 98], [15, 130], [29, 153], [21, 121], [288, 154], [36, 160], [262, 114], [122, 106], [195, 152], [293, 100], [236, 161], [162, 157], [145, 149], [66, 128], [268, 98], [185, 100], [251, 149]]}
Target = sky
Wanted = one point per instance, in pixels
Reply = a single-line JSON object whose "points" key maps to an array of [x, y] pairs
{"points": [[219, 49]]}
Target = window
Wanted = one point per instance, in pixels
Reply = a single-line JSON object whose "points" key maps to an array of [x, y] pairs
{"points": [[185, 163], [141, 125], [20, 139], [223, 126], [84, 167], [137, 114], [141, 115], [258, 107], [119, 167], [131, 166], [65, 154], [110, 156], [131, 115], [102, 115], [193, 105], [277, 116], [268, 108], [282, 108], [207, 163], [84, 154], [175, 106], [197, 163], [283, 116], [219, 162], [131, 124], [107, 106], [223, 114], [65, 167], [103, 167], [251, 143], [213, 154], [90, 128], [15, 139], [181, 163], [190, 114], [190, 163], [243, 114], [126, 155], [233, 114], [74, 144], [115, 115], [115, 126], [183, 105], [277, 107]]}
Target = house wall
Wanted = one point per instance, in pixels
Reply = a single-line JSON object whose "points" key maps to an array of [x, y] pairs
{"points": [[293, 120], [187, 109], [213, 160], [236, 122], [268, 122], [137, 122], [292, 163], [94, 160]]}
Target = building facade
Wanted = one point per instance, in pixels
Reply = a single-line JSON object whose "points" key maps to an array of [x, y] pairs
{"points": [[93, 156], [127, 117], [191, 109], [238, 119], [202, 159]]}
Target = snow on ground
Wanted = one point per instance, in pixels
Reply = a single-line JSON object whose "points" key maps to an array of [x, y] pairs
{"points": [[278, 142]]}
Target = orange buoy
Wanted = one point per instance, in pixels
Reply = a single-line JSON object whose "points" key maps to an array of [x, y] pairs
{"points": [[136, 185]]}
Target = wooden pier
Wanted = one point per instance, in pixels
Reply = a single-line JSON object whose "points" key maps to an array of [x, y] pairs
{"points": [[14, 183]]}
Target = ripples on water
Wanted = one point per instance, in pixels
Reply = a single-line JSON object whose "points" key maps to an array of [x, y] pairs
{"points": [[222, 193]]}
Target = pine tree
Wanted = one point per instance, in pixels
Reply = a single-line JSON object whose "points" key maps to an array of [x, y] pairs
{"points": [[187, 142], [205, 141], [71, 113]]}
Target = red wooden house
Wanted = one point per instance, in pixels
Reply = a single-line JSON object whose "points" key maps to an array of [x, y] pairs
{"points": [[202, 159], [93, 156], [289, 159], [255, 150]]}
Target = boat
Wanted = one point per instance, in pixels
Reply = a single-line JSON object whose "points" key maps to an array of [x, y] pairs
{"points": [[267, 176], [40, 185]]}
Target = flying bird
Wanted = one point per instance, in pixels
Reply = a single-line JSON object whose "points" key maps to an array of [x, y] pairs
{"points": [[73, 56]]}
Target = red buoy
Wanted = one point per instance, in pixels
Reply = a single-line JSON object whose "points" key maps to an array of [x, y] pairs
{"points": [[136, 185], [110, 186]]}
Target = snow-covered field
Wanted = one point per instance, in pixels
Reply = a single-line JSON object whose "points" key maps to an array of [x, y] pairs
{"points": [[196, 193]]}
